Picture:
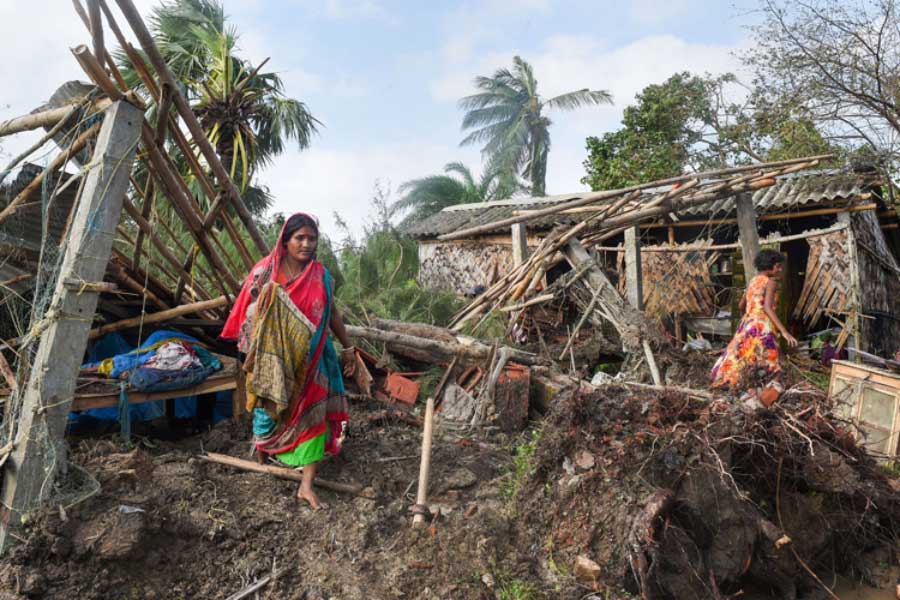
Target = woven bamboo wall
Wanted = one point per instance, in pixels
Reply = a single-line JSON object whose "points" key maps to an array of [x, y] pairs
{"points": [[826, 286], [459, 267], [879, 275], [675, 283]]}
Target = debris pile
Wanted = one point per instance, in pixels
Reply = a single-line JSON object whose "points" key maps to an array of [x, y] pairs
{"points": [[672, 496]]}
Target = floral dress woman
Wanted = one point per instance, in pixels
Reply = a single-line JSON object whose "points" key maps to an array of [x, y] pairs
{"points": [[753, 351]]}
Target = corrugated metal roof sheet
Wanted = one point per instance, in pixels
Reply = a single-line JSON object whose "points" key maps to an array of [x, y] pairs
{"points": [[789, 192], [25, 228]]}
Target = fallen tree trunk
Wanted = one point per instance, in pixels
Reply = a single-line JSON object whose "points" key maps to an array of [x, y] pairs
{"points": [[422, 330], [438, 351]]}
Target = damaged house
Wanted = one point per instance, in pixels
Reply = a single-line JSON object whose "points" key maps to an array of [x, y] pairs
{"points": [[838, 230]]}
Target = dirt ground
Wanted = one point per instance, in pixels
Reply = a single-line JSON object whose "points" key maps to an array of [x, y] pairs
{"points": [[612, 490], [206, 530]]}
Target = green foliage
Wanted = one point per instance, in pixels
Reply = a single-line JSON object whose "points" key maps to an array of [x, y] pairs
{"points": [[657, 135], [379, 274], [506, 115], [243, 110], [692, 123], [428, 195], [522, 467], [836, 59], [380, 280], [511, 588]]}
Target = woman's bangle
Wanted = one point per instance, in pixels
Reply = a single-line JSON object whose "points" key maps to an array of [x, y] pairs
{"points": [[346, 348]]}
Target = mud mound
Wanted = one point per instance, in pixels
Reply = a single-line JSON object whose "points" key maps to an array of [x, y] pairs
{"points": [[678, 498]]}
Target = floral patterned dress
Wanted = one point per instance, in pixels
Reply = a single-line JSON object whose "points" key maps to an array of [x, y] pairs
{"points": [[753, 351]]}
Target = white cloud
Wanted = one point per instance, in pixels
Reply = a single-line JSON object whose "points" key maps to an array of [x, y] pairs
{"points": [[655, 12], [567, 62], [39, 38], [347, 10], [323, 181]]}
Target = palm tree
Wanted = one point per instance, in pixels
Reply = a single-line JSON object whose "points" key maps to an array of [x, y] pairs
{"points": [[428, 195], [243, 111], [507, 116]]}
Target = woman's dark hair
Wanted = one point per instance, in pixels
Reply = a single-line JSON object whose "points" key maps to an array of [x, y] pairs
{"points": [[766, 259], [296, 222]]}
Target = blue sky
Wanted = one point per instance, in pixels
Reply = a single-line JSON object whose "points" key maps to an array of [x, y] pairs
{"points": [[384, 76]]}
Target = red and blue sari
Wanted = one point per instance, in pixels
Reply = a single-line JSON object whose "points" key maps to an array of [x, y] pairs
{"points": [[302, 419]]}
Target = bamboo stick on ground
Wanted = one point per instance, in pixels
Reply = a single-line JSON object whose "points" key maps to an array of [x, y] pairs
{"points": [[425, 463], [282, 473]]}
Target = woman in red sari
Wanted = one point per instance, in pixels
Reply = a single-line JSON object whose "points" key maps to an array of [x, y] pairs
{"points": [[294, 382]]}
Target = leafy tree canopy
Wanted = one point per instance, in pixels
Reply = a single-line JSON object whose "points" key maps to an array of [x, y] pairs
{"points": [[692, 123]]}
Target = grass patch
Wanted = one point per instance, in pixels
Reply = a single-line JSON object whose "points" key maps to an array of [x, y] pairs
{"points": [[522, 465]]}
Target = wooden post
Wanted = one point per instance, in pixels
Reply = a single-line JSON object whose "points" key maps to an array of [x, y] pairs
{"points": [[40, 449], [855, 300], [425, 463], [746, 218], [519, 243], [633, 276]]}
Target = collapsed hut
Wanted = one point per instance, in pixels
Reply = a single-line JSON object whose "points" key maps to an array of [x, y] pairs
{"points": [[838, 229], [133, 225]]}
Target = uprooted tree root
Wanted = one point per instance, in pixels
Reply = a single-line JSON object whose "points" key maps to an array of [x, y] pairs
{"points": [[679, 498]]}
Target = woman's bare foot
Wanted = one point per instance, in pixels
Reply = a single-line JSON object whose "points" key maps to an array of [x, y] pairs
{"points": [[310, 498]]}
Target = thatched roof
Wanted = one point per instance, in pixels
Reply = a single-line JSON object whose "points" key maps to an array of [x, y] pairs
{"points": [[790, 192]]}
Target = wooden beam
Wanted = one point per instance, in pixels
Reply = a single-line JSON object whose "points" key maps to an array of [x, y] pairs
{"points": [[634, 286], [215, 383], [157, 317], [710, 247], [519, 239], [817, 212], [593, 197], [40, 449], [855, 300], [749, 233], [190, 120]]}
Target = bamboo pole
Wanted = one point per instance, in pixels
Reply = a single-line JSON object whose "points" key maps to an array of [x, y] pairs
{"points": [[156, 92], [96, 72], [61, 159], [425, 463], [45, 118], [707, 248], [282, 473], [118, 273], [96, 29], [190, 119], [818, 212], [183, 204], [148, 194], [604, 195], [158, 317], [72, 109]]}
